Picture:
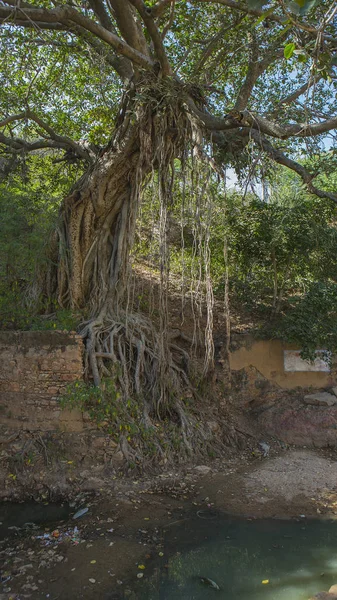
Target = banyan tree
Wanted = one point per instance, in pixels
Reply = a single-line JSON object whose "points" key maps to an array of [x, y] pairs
{"points": [[141, 95]]}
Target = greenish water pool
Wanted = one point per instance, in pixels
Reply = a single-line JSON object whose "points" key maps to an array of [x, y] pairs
{"points": [[297, 558]]}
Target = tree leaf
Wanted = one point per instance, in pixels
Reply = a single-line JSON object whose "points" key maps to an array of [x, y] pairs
{"points": [[289, 50], [301, 7], [265, 15], [306, 5], [302, 58]]}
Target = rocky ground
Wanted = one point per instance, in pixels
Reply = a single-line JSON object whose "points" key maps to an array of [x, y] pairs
{"points": [[108, 551]]}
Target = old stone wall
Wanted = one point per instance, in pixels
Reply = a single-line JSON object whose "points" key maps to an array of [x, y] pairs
{"points": [[35, 368], [266, 357]]}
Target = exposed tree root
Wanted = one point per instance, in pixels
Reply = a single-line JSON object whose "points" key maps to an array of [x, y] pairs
{"points": [[126, 350]]}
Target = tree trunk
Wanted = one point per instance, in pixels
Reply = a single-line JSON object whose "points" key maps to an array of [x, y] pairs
{"points": [[97, 220], [96, 229]]}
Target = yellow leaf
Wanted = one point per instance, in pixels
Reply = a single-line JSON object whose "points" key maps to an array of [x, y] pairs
{"points": [[265, 581], [141, 567]]}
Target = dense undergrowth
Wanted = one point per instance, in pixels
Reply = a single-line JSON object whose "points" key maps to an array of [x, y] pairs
{"points": [[163, 440]]}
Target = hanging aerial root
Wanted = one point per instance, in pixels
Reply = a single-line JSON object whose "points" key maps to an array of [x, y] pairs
{"points": [[156, 138]]}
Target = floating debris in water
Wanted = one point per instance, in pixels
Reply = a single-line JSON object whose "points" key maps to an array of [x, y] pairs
{"points": [[212, 584]]}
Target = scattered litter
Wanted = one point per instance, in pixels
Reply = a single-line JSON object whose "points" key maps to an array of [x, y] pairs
{"points": [[80, 513], [265, 581], [140, 575], [141, 567], [57, 536], [264, 448], [92, 580], [92, 562], [210, 583]]}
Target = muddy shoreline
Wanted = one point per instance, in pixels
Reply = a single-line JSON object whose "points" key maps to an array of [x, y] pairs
{"points": [[124, 528]]}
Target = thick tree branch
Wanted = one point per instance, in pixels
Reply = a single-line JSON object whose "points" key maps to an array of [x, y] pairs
{"points": [[211, 46], [279, 157], [128, 26], [62, 140], [240, 139], [211, 122], [66, 14], [298, 92], [253, 73], [18, 145], [102, 15], [12, 118], [169, 23], [155, 36], [284, 132], [30, 24], [159, 8], [255, 70], [246, 119]]}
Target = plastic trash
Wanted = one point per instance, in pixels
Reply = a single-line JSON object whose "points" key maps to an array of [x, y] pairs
{"points": [[80, 513]]}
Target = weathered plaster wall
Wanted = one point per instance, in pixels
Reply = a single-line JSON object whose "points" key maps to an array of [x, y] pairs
{"points": [[35, 367], [267, 357]]}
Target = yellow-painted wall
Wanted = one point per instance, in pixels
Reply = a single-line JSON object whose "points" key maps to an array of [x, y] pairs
{"points": [[267, 357]]}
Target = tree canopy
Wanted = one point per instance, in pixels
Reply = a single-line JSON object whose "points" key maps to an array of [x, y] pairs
{"points": [[253, 73]]}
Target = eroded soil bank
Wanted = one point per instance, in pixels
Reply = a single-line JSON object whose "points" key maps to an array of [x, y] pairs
{"points": [[119, 541]]}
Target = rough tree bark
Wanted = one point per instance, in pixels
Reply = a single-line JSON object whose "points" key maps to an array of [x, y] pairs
{"points": [[96, 228]]}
